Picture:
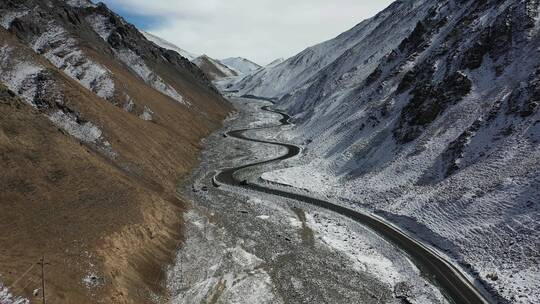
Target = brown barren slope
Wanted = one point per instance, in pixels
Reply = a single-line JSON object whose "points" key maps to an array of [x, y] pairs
{"points": [[107, 226]]}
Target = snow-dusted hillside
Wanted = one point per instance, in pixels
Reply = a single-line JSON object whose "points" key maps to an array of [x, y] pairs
{"points": [[428, 115], [242, 65], [275, 62], [375, 37], [213, 68], [168, 45]]}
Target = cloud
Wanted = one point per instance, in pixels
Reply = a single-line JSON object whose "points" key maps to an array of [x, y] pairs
{"points": [[261, 30]]}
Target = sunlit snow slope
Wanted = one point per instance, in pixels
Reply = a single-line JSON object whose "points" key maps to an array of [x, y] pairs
{"points": [[242, 65]]}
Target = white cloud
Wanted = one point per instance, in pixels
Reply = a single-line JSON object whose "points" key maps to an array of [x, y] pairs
{"points": [[261, 30]]}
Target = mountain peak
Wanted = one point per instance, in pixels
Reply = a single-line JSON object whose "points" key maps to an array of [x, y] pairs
{"points": [[240, 64], [168, 45], [214, 69]]}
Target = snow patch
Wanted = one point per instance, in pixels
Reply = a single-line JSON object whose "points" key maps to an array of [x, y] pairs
{"points": [[62, 52], [7, 298], [8, 18], [86, 132], [18, 75], [92, 280], [207, 269], [363, 257], [147, 114], [139, 67], [244, 258], [101, 25]]}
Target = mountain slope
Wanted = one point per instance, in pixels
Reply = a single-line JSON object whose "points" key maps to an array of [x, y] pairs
{"points": [[427, 114], [275, 62], [99, 126], [169, 46], [214, 69], [242, 65], [295, 72]]}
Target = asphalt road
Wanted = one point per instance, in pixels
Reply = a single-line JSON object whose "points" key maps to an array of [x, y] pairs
{"points": [[454, 285]]}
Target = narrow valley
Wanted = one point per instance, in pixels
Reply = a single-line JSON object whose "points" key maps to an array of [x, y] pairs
{"points": [[245, 246]]}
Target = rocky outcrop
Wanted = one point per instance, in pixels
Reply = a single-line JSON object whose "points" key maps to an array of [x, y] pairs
{"points": [[428, 103]]}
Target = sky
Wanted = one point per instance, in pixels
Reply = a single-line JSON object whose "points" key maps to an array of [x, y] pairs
{"points": [[260, 30]]}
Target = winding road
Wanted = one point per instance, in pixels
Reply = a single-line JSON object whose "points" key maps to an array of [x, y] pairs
{"points": [[452, 282]]}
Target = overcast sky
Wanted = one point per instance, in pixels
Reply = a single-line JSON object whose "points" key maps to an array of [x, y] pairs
{"points": [[260, 30]]}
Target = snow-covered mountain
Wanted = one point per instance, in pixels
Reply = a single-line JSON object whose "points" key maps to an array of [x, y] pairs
{"points": [[427, 114], [168, 45], [97, 126], [213, 68], [275, 62], [239, 64]]}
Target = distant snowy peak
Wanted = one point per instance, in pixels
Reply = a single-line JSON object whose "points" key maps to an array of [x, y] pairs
{"points": [[242, 65], [169, 46], [275, 62], [213, 68]]}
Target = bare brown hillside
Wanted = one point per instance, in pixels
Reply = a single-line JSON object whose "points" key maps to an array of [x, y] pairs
{"points": [[92, 147]]}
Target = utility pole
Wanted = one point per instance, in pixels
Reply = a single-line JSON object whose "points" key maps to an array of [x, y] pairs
{"points": [[42, 263]]}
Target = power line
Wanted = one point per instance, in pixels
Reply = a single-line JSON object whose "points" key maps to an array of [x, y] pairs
{"points": [[42, 263]]}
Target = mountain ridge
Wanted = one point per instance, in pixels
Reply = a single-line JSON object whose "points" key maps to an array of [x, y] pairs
{"points": [[213, 68], [240, 64], [170, 46]]}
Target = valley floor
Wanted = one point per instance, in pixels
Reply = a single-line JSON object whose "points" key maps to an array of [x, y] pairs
{"points": [[245, 247]]}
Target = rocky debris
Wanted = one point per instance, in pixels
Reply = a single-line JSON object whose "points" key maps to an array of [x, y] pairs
{"points": [[147, 114], [492, 276], [525, 99], [6, 95], [93, 281], [456, 150], [129, 105]]}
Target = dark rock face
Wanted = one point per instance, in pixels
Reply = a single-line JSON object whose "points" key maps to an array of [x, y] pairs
{"points": [[427, 103], [456, 150], [422, 72], [525, 99]]}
